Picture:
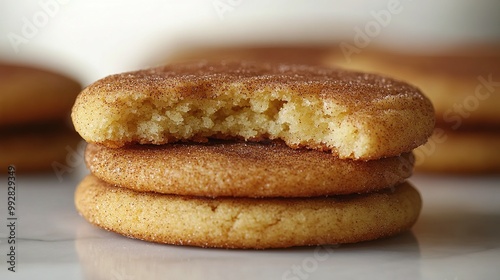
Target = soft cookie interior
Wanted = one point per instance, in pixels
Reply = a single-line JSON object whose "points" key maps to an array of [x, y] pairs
{"points": [[273, 115]]}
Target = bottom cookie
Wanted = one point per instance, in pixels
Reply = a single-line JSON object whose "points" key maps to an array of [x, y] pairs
{"points": [[247, 222]]}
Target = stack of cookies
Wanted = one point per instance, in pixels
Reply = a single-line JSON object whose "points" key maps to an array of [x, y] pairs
{"points": [[35, 105], [250, 155]]}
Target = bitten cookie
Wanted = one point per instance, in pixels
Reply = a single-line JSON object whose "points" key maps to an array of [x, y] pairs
{"points": [[238, 169], [246, 222], [353, 115]]}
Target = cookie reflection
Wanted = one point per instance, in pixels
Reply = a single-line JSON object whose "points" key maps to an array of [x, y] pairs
{"points": [[106, 255]]}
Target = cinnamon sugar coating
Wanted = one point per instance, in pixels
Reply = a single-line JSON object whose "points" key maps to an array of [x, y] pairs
{"points": [[242, 170]]}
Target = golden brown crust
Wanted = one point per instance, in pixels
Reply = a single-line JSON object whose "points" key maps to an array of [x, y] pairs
{"points": [[461, 82], [29, 94], [365, 116], [35, 148], [461, 151], [202, 80], [242, 170], [245, 222]]}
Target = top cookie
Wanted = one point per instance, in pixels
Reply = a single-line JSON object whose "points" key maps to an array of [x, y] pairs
{"points": [[353, 115], [29, 94]]}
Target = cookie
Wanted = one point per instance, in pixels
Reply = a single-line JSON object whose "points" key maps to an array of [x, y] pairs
{"points": [[241, 169], [36, 148], [463, 83], [471, 151], [246, 222], [32, 95], [353, 115]]}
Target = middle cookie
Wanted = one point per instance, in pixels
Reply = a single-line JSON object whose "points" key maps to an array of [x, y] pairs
{"points": [[239, 169]]}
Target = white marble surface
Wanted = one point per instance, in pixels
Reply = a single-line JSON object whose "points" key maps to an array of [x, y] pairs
{"points": [[457, 237]]}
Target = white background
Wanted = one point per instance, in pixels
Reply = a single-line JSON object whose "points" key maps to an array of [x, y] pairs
{"points": [[91, 39]]}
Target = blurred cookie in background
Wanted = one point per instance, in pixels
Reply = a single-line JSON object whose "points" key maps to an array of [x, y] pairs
{"points": [[463, 84], [31, 95], [35, 104], [39, 147], [298, 54], [465, 151]]}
